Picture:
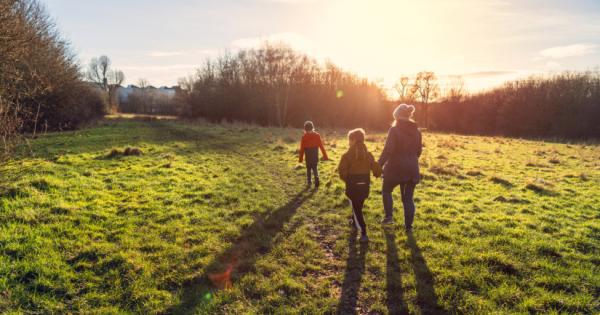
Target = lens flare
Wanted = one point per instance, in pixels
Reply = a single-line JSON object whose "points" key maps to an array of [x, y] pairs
{"points": [[223, 280]]}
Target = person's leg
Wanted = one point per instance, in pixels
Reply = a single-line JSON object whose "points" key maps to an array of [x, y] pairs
{"points": [[408, 190], [357, 210], [388, 201], [308, 175], [316, 173], [352, 220]]}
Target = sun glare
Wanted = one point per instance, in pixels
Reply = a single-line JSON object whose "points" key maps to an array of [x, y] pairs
{"points": [[383, 38]]}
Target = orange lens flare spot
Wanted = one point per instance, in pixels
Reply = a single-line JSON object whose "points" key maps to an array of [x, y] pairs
{"points": [[222, 280]]}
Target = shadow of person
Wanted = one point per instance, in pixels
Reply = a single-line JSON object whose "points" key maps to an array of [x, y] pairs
{"points": [[255, 241], [426, 298], [393, 276], [355, 267]]}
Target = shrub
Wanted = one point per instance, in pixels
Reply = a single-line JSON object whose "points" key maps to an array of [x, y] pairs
{"points": [[40, 82]]}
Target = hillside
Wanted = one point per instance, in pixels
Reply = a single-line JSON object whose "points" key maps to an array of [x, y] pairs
{"points": [[217, 219]]}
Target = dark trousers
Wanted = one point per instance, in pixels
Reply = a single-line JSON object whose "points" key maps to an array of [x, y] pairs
{"points": [[311, 169], [357, 190], [407, 189], [357, 214]]}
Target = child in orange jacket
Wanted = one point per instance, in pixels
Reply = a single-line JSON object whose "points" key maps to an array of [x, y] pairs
{"points": [[309, 146]]}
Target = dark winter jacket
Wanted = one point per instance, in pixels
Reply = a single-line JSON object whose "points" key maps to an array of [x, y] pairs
{"points": [[358, 161], [400, 156]]}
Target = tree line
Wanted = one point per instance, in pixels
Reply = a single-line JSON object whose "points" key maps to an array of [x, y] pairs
{"points": [[277, 86], [565, 105], [40, 82]]}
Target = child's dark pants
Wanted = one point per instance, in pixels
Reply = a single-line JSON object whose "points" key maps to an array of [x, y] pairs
{"points": [[359, 220], [357, 190], [312, 161], [312, 169]]}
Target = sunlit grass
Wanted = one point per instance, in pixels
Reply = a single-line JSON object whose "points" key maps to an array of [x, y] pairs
{"points": [[216, 219]]}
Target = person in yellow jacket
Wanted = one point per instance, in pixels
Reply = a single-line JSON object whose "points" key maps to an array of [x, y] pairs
{"points": [[355, 170]]}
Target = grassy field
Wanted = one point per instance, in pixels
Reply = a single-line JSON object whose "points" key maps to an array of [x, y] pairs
{"points": [[216, 219]]}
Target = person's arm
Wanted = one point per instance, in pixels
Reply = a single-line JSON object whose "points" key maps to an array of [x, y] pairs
{"points": [[302, 146], [343, 167], [388, 148], [325, 157], [420, 143], [375, 167]]}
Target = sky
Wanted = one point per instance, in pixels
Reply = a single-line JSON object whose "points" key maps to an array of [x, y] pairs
{"points": [[485, 42]]}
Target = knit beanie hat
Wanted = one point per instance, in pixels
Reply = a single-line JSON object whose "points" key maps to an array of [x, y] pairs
{"points": [[403, 111]]}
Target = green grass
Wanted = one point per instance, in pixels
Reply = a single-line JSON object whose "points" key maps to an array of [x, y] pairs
{"points": [[216, 219]]}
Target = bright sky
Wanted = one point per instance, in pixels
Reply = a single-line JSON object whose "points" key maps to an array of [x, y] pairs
{"points": [[485, 41]]}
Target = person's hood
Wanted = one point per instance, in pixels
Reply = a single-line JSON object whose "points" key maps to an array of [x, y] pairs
{"points": [[407, 126]]}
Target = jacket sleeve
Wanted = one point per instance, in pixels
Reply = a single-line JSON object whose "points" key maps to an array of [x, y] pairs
{"points": [[343, 167], [375, 167], [388, 148], [420, 144], [322, 148], [302, 147]]}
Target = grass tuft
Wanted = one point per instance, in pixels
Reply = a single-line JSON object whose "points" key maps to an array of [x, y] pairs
{"points": [[540, 189], [128, 151], [475, 173], [40, 184], [444, 170], [501, 181]]}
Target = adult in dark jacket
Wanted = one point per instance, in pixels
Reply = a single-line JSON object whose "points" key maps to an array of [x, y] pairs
{"points": [[400, 162]]}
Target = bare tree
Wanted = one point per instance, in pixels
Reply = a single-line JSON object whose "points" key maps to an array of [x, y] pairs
{"points": [[100, 73], [143, 83], [403, 89], [115, 79], [455, 90], [427, 87]]}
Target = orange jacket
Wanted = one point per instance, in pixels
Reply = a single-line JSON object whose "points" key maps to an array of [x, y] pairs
{"points": [[311, 139]]}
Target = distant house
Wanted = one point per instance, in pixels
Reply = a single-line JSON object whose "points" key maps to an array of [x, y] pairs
{"points": [[148, 100], [169, 91], [124, 92]]}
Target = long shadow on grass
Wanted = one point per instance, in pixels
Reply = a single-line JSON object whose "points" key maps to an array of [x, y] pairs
{"points": [[395, 300], [426, 297], [255, 241], [355, 267]]}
